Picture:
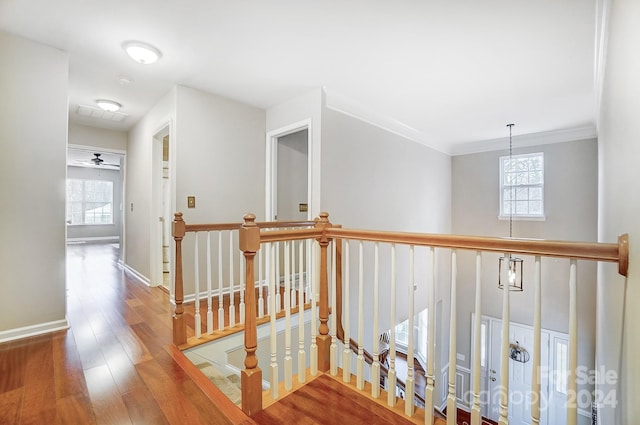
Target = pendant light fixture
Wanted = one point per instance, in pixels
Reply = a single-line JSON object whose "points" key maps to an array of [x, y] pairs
{"points": [[514, 276]]}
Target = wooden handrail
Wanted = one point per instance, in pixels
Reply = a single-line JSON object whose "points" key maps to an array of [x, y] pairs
{"points": [[594, 251], [234, 226]]}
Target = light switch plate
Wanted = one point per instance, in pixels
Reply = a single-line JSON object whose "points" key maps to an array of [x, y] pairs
{"points": [[191, 201]]}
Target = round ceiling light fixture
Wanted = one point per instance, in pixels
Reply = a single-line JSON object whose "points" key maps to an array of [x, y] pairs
{"points": [[141, 52], [108, 105]]}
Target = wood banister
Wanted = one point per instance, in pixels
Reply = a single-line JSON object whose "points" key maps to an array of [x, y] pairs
{"points": [[251, 375], [594, 251], [179, 325], [323, 340]]}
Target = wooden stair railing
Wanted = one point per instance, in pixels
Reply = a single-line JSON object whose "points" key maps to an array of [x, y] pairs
{"points": [[325, 233], [179, 230]]}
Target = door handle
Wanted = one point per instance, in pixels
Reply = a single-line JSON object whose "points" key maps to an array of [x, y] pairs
{"points": [[493, 379]]}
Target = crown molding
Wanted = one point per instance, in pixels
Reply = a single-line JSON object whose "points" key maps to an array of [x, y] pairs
{"points": [[532, 139], [340, 103]]}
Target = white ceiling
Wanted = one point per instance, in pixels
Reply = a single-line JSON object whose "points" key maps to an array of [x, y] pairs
{"points": [[449, 72]]}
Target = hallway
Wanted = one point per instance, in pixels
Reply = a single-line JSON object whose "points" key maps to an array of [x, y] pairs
{"points": [[110, 367]]}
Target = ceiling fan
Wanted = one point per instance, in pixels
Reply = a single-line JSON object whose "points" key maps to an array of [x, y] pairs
{"points": [[99, 161]]}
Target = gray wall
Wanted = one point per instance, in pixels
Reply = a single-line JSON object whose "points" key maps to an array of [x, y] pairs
{"points": [[619, 129], [375, 179], [571, 171], [33, 135], [102, 231]]}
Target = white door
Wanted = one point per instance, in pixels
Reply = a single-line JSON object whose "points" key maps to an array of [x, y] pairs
{"points": [[520, 373], [557, 400]]}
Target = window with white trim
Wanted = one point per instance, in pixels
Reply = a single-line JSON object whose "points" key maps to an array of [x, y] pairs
{"points": [[522, 186], [89, 202]]}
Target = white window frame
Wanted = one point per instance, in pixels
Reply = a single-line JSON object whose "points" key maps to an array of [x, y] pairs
{"points": [[515, 216], [420, 336], [85, 201]]}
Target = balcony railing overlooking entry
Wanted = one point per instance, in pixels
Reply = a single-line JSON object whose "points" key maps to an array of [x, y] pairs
{"points": [[361, 282]]}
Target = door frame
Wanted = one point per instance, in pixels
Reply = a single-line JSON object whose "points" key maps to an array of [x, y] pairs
{"points": [[313, 168], [155, 256]]}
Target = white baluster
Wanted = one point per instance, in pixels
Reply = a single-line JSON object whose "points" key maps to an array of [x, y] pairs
{"points": [[220, 285], [260, 284], [431, 340], [288, 361], [504, 363], [302, 370], [346, 353], [293, 274], [391, 375], [273, 366], [277, 294], [452, 409], [197, 290], [313, 361], [375, 366], [333, 348], [209, 287], [572, 385], [410, 382], [309, 269], [360, 360], [537, 331], [476, 413], [232, 296]]}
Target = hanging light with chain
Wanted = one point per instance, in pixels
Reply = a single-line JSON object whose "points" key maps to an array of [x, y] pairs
{"points": [[515, 264]]}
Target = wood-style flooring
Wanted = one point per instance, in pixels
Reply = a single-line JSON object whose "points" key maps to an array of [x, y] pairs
{"points": [[116, 364], [111, 366]]}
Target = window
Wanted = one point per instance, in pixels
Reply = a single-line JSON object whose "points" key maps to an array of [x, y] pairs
{"points": [[89, 202], [522, 186], [420, 325]]}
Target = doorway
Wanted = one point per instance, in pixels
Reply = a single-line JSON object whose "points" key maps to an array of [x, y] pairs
{"points": [[162, 206], [290, 174], [552, 385], [292, 165]]}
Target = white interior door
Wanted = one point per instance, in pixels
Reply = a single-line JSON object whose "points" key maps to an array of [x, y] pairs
{"points": [[520, 374]]}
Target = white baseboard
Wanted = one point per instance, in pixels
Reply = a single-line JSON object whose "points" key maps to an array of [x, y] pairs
{"points": [[33, 330], [94, 239], [142, 278]]}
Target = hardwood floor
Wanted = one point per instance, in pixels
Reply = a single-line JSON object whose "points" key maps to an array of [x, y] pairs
{"points": [[111, 366], [116, 364]]}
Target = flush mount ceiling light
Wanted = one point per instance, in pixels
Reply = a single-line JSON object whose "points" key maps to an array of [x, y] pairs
{"points": [[108, 105], [141, 52]]}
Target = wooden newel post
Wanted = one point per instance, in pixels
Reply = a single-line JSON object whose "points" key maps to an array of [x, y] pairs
{"points": [[179, 326], [251, 376], [323, 339]]}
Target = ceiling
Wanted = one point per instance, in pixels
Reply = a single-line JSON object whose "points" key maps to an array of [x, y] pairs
{"points": [[449, 72]]}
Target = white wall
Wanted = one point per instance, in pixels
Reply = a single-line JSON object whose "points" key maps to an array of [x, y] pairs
{"points": [[138, 184], [33, 131], [83, 135], [220, 157], [571, 198], [305, 107], [619, 209]]}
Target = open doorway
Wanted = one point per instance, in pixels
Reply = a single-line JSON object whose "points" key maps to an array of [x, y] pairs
{"points": [[95, 186], [290, 174], [161, 215], [292, 191]]}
